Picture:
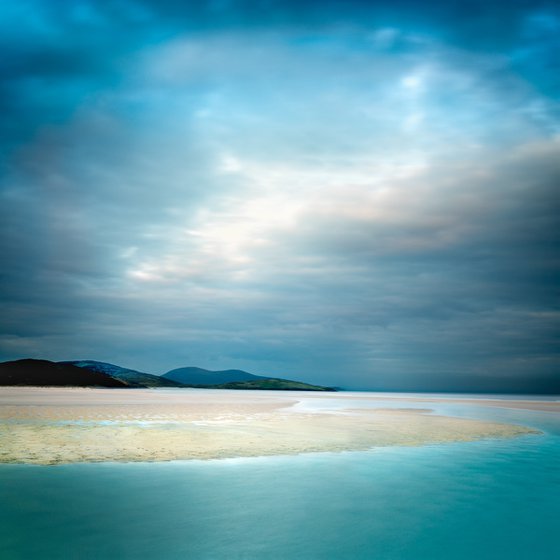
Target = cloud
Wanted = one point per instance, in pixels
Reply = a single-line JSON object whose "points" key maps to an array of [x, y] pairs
{"points": [[359, 202]]}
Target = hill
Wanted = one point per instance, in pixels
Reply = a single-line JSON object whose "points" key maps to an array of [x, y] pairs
{"points": [[131, 377], [46, 373], [91, 373], [236, 379], [272, 384], [199, 376]]}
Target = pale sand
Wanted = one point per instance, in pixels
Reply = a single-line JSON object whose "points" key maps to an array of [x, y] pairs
{"points": [[52, 425], [518, 404]]}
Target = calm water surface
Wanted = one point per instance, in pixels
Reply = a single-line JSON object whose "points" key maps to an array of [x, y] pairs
{"points": [[495, 499]]}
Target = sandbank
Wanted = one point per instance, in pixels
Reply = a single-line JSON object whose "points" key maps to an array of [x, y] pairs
{"points": [[69, 425], [512, 403]]}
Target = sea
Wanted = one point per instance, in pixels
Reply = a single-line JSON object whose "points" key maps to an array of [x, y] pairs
{"points": [[491, 499]]}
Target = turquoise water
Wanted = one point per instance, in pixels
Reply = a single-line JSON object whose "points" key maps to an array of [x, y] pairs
{"points": [[494, 499]]}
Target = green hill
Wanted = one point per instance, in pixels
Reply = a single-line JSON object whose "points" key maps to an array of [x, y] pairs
{"points": [[271, 384], [131, 377], [91, 373], [199, 376], [236, 379]]}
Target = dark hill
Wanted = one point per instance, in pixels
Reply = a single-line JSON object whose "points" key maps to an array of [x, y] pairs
{"points": [[199, 376], [46, 373], [237, 379], [131, 377], [271, 384]]}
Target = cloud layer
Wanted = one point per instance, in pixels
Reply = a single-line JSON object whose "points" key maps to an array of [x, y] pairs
{"points": [[351, 195]]}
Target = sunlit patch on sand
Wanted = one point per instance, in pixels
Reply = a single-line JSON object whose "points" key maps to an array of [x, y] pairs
{"points": [[50, 426]]}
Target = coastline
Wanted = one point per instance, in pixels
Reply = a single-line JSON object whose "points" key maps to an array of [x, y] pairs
{"points": [[67, 425]]}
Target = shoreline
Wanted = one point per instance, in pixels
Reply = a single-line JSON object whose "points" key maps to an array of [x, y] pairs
{"points": [[69, 425]]}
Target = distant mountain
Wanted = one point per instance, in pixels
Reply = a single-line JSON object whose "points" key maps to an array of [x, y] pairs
{"points": [[199, 376], [236, 379], [272, 384], [91, 373], [131, 377], [46, 373]]}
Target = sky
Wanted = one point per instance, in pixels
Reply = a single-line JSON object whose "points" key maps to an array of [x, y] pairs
{"points": [[353, 193]]}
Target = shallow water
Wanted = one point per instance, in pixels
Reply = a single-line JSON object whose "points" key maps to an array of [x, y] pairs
{"points": [[490, 499]]}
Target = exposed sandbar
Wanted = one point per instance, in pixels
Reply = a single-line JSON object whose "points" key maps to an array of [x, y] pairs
{"points": [[511, 403], [50, 426]]}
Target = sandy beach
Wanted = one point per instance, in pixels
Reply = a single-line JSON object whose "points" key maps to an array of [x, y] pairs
{"points": [[512, 403], [68, 425]]}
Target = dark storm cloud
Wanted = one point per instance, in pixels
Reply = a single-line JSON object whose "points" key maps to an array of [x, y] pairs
{"points": [[347, 192], [59, 54]]}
